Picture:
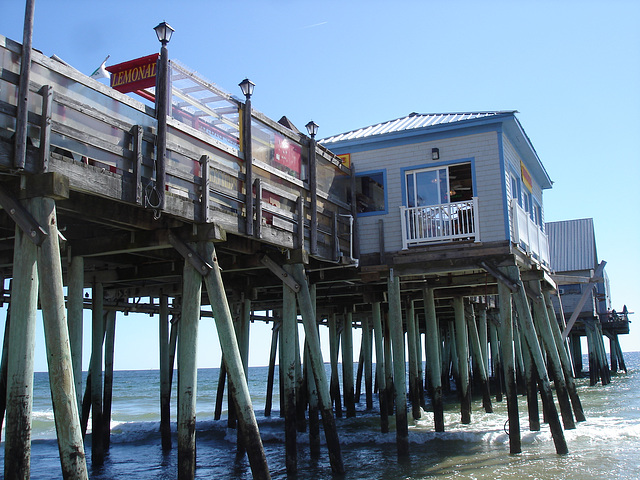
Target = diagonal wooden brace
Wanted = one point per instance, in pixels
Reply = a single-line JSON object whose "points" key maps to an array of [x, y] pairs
{"points": [[190, 255], [287, 279], [22, 217], [501, 277]]}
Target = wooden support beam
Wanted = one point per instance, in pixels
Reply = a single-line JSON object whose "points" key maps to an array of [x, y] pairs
{"points": [[109, 344], [75, 309], [380, 362], [189, 254], [288, 373], [347, 365], [45, 127], [312, 391], [317, 367], [188, 371], [56, 331], [24, 300], [583, 299], [97, 338], [136, 133], [368, 366], [496, 362], [165, 374], [525, 321], [22, 101], [334, 341], [531, 384], [508, 364], [414, 380], [543, 327], [476, 349], [272, 367], [24, 220], [237, 380], [399, 362], [281, 273], [462, 346], [434, 362]]}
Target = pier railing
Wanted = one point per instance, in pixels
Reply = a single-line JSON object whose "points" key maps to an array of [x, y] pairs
{"points": [[439, 223], [529, 235], [104, 142]]}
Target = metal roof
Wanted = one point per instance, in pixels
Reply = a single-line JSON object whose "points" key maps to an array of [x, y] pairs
{"points": [[412, 121], [572, 245]]}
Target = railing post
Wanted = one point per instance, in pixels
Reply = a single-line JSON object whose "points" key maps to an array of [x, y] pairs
{"points": [[313, 192], [403, 226], [476, 220]]}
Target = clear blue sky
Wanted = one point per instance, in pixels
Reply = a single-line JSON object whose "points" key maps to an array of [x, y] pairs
{"points": [[571, 68]]}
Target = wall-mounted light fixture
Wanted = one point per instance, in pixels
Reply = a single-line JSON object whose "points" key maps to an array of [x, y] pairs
{"points": [[435, 154]]}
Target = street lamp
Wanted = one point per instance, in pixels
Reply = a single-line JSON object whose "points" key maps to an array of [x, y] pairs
{"points": [[247, 87], [164, 32], [312, 129]]}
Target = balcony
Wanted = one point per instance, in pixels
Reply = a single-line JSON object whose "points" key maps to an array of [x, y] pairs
{"points": [[529, 235], [439, 223]]}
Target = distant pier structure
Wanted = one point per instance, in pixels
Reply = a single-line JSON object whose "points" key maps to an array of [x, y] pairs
{"points": [[425, 232], [583, 302]]}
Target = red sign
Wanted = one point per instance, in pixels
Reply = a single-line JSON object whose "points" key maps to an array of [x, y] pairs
{"points": [[288, 154], [526, 177], [135, 74]]}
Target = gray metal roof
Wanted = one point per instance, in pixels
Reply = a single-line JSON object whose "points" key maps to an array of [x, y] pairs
{"points": [[412, 121], [572, 245]]}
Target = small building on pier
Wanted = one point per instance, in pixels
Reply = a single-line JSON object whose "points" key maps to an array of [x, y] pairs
{"points": [[583, 302]]}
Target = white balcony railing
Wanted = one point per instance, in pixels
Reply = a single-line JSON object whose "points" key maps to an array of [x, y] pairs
{"points": [[529, 235], [439, 223]]}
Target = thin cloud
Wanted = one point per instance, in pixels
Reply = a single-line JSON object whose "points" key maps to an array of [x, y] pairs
{"points": [[314, 25]]}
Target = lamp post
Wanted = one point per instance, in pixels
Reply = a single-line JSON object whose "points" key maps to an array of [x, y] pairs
{"points": [[247, 87], [164, 32], [312, 129]]}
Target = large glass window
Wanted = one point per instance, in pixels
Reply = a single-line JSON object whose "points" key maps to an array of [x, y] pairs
{"points": [[437, 186], [370, 194]]}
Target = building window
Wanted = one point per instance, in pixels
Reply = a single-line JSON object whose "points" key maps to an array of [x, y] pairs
{"points": [[370, 192], [570, 289], [437, 186]]}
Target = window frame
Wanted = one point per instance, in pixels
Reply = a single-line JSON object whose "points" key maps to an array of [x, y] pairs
{"points": [[370, 173]]}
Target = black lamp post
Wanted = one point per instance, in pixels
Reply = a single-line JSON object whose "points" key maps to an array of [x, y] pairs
{"points": [[312, 129], [164, 32], [247, 87]]}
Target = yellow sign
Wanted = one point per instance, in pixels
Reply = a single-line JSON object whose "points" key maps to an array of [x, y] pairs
{"points": [[526, 177], [345, 158]]}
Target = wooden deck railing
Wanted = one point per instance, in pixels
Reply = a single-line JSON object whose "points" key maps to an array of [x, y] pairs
{"points": [[529, 235], [104, 142], [439, 223]]}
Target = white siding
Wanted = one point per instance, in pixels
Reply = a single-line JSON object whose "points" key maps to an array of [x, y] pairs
{"points": [[482, 148]]}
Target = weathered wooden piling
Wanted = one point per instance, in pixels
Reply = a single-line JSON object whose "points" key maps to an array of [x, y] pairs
{"points": [[531, 384], [462, 345], [380, 367], [24, 299], [230, 352], [288, 373], [496, 362], [399, 362], [388, 364], [414, 379], [165, 373], [56, 332], [543, 327], [188, 371], [317, 367], [334, 339], [75, 307], [474, 340], [508, 365], [433, 365], [347, 365], [107, 397], [97, 339], [525, 321], [368, 366], [272, 368]]}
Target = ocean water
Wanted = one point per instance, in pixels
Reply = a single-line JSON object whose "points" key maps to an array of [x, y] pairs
{"points": [[605, 446]]}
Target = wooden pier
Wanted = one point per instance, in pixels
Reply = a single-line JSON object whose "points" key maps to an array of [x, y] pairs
{"points": [[264, 217]]}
